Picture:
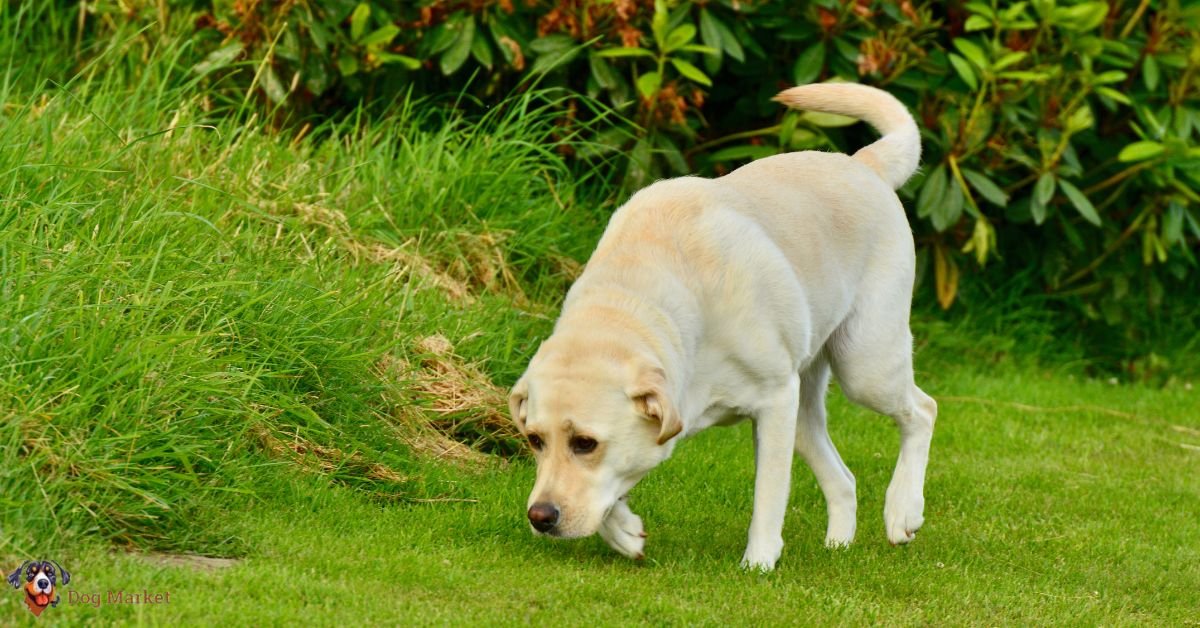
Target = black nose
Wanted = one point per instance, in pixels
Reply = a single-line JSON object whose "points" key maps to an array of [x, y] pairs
{"points": [[43, 583], [543, 516]]}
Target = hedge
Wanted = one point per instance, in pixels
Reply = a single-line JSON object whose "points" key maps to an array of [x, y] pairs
{"points": [[1060, 137]]}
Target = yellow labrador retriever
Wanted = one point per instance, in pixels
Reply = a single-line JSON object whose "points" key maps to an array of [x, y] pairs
{"points": [[708, 301]]}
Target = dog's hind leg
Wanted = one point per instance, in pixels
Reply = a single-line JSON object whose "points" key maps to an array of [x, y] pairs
{"points": [[774, 433], [871, 356], [814, 445]]}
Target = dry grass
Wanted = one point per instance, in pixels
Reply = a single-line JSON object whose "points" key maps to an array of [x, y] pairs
{"points": [[456, 403], [322, 459]]}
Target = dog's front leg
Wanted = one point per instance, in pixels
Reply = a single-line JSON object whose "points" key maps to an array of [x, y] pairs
{"points": [[774, 440], [623, 530]]}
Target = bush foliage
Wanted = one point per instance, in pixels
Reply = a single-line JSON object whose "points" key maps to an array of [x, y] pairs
{"points": [[1060, 136]]}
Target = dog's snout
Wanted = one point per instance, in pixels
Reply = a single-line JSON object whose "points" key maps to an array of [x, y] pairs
{"points": [[543, 516], [43, 583]]}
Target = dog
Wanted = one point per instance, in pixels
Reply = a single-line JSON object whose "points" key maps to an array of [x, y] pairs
{"points": [[710, 301], [40, 583]]}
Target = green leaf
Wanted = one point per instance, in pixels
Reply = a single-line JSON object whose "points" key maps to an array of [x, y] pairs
{"points": [[1043, 190], [1150, 72], [1193, 224], [658, 24], [1080, 120], [649, 83], [1140, 151], [381, 36], [1172, 229], [680, 37], [847, 47], [272, 85], [1114, 94], [691, 72], [1080, 201], [980, 8], [1016, 11], [640, 161], [409, 63], [947, 213], [986, 187], [932, 192], [827, 120], [454, 58], [710, 33], [707, 50], [482, 51], [1111, 76], [673, 156], [614, 53], [1080, 17], [972, 52], [444, 35], [978, 23], [1026, 77], [551, 44], [1011, 58], [320, 37], [744, 151], [602, 71], [809, 64], [729, 41], [553, 61], [358, 20], [1037, 209], [219, 58], [964, 71], [347, 65]]}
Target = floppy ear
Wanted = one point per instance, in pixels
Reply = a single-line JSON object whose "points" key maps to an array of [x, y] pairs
{"points": [[649, 394], [63, 573], [516, 402], [14, 578]]}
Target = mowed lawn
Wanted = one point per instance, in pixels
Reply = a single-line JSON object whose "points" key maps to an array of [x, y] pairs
{"points": [[1049, 501]]}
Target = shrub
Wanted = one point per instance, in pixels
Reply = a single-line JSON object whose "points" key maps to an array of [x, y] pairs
{"points": [[1059, 136]]}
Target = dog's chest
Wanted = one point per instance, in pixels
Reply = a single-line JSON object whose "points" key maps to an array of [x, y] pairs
{"points": [[719, 406], [720, 415]]}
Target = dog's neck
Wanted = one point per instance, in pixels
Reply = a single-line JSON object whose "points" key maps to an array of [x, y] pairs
{"points": [[665, 326]]}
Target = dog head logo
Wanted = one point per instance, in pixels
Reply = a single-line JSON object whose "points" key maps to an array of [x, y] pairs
{"points": [[40, 580]]}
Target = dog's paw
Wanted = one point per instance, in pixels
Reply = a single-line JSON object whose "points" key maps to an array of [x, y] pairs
{"points": [[903, 515], [838, 541], [840, 532], [623, 531], [762, 555]]}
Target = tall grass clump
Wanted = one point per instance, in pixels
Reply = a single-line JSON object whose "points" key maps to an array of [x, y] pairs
{"points": [[187, 296]]}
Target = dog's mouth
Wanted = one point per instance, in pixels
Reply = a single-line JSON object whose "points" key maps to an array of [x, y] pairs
{"points": [[40, 599]]}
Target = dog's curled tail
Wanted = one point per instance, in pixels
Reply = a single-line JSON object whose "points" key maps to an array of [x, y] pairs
{"points": [[894, 156]]}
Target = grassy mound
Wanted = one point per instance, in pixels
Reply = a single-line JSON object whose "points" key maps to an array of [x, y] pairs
{"points": [[189, 297]]}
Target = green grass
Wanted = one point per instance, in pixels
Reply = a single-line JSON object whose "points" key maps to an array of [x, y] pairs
{"points": [[184, 290], [214, 340], [1065, 514]]}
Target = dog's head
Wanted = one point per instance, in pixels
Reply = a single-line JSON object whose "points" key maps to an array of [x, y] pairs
{"points": [[598, 418], [40, 578]]}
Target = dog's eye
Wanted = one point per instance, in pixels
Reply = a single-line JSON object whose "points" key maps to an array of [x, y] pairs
{"points": [[535, 441], [583, 445]]}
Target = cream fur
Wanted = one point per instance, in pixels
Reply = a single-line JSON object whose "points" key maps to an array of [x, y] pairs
{"points": [[708, 301]]}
